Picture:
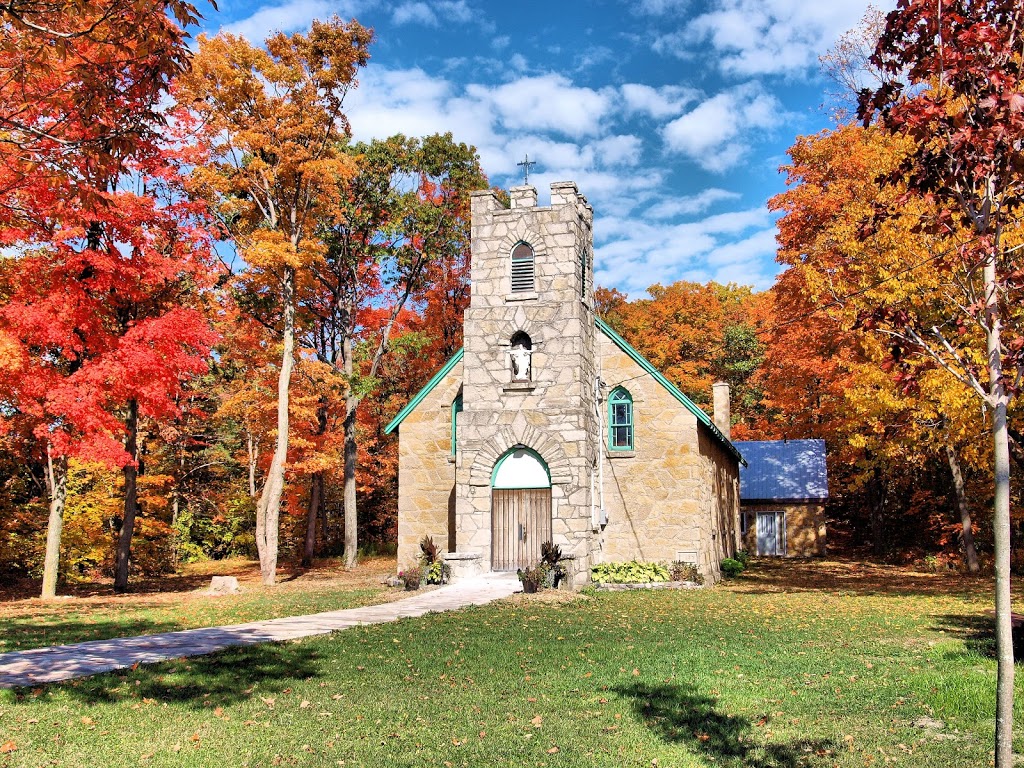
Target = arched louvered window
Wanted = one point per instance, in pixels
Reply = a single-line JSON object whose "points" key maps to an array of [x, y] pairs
{"points": [[620, 420], [523, 269]]}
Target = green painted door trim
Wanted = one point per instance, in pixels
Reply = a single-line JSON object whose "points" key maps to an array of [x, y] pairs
{"points": [[509, 452]]}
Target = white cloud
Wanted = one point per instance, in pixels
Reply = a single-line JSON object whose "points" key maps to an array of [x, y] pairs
{"points": [[431, 14], [593, 56], [616, 150], [414, 13], [714, 134], [731, 247], [501, 42], [761, 37], [547, 102], [667, 101], [690, 204], [293, 16], [518, 62]]}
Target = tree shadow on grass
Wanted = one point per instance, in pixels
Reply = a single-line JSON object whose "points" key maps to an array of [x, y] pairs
{"points": [[679, 714], [26, 632], [845, 575], [226, 677], [978, 633]]}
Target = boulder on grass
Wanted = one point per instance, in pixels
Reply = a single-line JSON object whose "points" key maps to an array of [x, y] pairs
{"points": [[224, 585]]}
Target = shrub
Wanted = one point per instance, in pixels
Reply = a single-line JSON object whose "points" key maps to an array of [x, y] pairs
{"points": [[743, 557], [683, 571], [632, 572], [731, 567]]}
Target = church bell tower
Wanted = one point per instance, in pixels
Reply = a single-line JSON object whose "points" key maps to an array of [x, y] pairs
{"points": [[527, 437]]}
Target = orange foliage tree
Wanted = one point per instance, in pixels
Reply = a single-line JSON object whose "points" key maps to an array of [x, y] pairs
{"points": [[695, 334], [825, 361], [271, 163]]}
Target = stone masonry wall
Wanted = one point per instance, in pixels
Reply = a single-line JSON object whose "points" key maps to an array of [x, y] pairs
{"points": [[553, 413], [661, 497], [721, 490], [805, 527], [426, 472]]}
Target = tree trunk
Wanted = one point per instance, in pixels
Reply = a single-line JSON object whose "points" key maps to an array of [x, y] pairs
{"points": [[316, 484], [131, 499], [316, 490], [967, 528], [876, 501], [998, 399], [268, 509], [351, 516], [57, 486], [254, 455]]}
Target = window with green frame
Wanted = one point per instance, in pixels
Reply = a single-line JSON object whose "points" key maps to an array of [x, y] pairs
{"points": [[620, 420], [456, 410]]}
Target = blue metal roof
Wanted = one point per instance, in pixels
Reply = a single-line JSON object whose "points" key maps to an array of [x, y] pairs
{"points": [[783, 470]]}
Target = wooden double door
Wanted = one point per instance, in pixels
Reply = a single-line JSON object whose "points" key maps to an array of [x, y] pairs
{"points": [[520, 523]]}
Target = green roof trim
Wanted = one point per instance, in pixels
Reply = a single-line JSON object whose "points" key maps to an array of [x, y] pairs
{"points": [[445, 370], [672, 389]]}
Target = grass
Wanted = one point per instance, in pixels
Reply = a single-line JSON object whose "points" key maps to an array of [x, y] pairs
{"points": [[797, 664], [94, 612]]}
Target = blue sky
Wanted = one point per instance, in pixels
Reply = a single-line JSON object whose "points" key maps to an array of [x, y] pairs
{"points": [[672, 116]]}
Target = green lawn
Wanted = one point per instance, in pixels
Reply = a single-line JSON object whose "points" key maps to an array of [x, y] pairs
{"points": [[820, 665], [180, 602]]}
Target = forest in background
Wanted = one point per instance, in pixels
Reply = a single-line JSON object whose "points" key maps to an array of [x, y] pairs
{"points": [[218, 300]]}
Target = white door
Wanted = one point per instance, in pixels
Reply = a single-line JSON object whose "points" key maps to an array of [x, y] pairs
{"points": [[771, 533]]}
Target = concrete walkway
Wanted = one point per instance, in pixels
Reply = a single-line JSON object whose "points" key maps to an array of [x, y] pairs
{"points": [[64, 662]]}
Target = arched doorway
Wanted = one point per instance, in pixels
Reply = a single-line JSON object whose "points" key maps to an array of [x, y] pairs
{"points": [[520, 509]]}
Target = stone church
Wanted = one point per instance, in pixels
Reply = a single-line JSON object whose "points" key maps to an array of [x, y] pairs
{"points": [[548, 425]]}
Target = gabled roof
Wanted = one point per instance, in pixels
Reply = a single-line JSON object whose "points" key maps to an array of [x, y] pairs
{"points": [[445, 370], [783, 470], [622, 344], [671, 388]]}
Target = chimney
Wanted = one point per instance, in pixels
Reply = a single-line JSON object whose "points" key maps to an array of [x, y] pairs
{"points": [[721, 403]]}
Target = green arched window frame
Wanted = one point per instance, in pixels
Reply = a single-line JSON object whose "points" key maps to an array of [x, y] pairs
{"points": [[456, 410], [620, 420]]}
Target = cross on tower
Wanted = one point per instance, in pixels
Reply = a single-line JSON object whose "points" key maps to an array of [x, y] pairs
{"points": [[527, 164]]}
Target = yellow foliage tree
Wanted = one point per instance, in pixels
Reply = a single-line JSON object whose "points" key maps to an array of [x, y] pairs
{"points": [[271, 163]]}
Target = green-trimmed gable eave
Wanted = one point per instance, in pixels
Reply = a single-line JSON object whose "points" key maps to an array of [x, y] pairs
{"points": [[671, 388], [445, 370]]}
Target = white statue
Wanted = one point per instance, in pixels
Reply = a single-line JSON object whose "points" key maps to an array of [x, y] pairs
{"points": [[520, 356]]}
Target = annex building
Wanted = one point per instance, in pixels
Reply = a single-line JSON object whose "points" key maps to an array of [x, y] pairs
{"points": [[548, 425]]}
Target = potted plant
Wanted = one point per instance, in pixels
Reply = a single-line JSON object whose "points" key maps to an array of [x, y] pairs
{"points": [[435, 569], [551, 559], [411, 577], [532, 578]]}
